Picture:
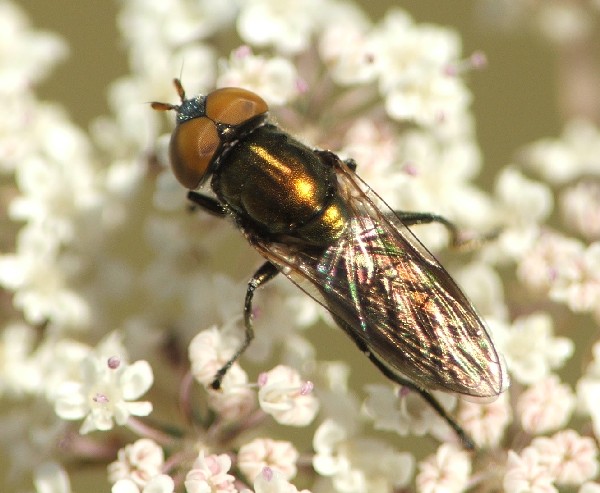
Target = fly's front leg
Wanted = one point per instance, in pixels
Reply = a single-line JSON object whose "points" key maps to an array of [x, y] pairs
{"points": [[264, 274], [206, 203]]}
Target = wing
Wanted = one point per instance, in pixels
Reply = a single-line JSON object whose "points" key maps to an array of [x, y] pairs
{"points": [[394, 298]]}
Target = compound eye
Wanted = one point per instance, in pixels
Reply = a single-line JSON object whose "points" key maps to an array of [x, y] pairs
{"points": [[194, 144], [233, 105]]}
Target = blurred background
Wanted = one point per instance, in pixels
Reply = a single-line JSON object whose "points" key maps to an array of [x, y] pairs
{"points": [[516, 97]]}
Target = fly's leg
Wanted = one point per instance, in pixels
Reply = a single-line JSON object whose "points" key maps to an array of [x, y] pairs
{"points": [[208, 204], [415, 218], [264, 274], [351, 163], [466, 440], [333, 160], [463, 436]]}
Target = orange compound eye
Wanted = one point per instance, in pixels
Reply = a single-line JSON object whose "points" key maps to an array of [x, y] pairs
{"points": [[233, 106], [194, 144]]}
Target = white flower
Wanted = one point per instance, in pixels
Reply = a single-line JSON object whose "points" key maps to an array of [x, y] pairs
{"points": [[552, 260], [210, 475], [405, 411], [68, 190], [434, 176], [208, 353], [588, 390], [522, 205], [582, 292], [346, 48], [374, 147], [439, 99], [485, 423], [50, 477], [358, 464], [58, 360], [483, 286], [593, 369], [408, 49], [139, 461], [274, 78], [589, 488], [235, 399], [526, 473], [573, 459], [102, 394], [547, 405], [273, 481], [278, 455], [566, 269], [209, 350], [574, 154], [412, 62], [180, 22], [530, 348], [286, 397], [29, 433], [565, 23], [27, 55], [522, 199], [447, 470], [18, 373], [40, 282], [286, 25], [580, 206], [158, 484]]}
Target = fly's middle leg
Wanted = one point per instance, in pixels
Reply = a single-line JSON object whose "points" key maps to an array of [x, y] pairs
{"points": [[456, 239]]}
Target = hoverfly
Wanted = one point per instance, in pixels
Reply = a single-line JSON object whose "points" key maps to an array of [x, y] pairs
{"points": [[314, 220]]}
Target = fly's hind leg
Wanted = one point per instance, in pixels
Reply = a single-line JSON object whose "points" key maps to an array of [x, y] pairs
{"points": [[264, 274], [464, 437]]}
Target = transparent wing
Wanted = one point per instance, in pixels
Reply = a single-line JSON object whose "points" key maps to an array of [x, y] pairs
{"points": [[394, 298]]}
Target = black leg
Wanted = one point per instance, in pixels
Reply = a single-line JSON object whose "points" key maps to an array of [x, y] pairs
{"points": [[208, 204], [394, 377], [264, 274], [351, 163], [333, 160], [432, 401], [412, 218]]}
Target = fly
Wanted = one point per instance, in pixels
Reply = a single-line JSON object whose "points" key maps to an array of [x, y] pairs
{"points": [[314, 220]]}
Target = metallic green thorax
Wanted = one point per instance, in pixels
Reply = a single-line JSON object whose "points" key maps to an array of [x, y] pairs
{"points": [[283, 187]]}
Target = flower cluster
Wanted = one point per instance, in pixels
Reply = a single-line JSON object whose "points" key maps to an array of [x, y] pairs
{"points": [[121, 306]]}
